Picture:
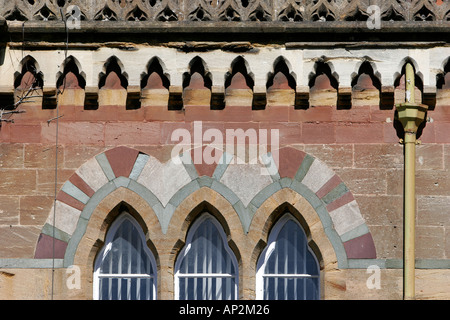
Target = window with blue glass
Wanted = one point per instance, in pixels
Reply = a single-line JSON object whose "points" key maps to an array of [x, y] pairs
{"points": [[125, 268], [206, 268], [287, 268]]}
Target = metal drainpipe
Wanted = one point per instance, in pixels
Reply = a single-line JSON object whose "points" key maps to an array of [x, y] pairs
{"points": [[411, 115]]}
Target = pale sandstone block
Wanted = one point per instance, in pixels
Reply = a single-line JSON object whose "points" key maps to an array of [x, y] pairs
{"points": [[112, 97], [92, 174], [163, 179], [347, 217], [66, 217], [318, 174]]}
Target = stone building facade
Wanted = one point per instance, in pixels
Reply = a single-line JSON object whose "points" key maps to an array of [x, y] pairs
{"points": [[128, 107]]}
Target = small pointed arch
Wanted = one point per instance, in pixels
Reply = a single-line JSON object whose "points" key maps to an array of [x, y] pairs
{"points": [[399, 80], [198, 202], [392, 14], [240, 74], [323, 77], [155, 76], [113, 76], [402, 65], [281, 76], [357, 14], [136, 14], [15, 14], [71, 76], [30, 75], [323, 13], [443, 78], [366, 77], [288, 268], [206, 268], [198, 74], [424, 14], [125, 267], [272, 220]]}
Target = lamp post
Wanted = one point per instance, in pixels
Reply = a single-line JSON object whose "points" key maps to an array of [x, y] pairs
{"points": [[411, 115]]}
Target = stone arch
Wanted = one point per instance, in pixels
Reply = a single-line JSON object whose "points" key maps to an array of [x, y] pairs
{"points": [[193, 206], [240, 66], [282, 66], [71, 74], [113, 74], [155, 75], [92, 232], [29, 70], [197, 67], [401, 71], [201, 200], [321, 238], [238, 191]]}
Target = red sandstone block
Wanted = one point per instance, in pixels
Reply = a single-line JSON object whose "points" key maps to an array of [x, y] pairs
{"points": [[328, 186], [390, 134], [48, 247], [440, 113], [25, 133], [346, 198], [318, 133], [203, 167], [312, 114], [17, 181], [33, 114], [132, 133], [228, 114], [11, 155], [42, 156], [359, 133], [355, 114], [34, 210], [361, 247], [77, 181], [442, 132], [162, 113], [289, 132], [169, 133], [69, 200], [74, 133], [378, 115], [5, 132], [289, 161], [272, 113], [122, 160]]}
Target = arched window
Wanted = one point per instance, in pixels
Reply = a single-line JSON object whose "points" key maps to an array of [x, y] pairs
{"points": [[125, 268], [206, 268], [287, 268]]}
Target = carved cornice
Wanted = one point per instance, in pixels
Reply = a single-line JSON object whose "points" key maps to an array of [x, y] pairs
{"points": [[294, 11]]}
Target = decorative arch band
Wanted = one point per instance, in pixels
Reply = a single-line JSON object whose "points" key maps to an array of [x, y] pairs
{"points": [[165, 185]]}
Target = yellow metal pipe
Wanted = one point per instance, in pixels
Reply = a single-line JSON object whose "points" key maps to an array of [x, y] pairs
{"points": [[411, 115], [409, 192], [409, 216]]}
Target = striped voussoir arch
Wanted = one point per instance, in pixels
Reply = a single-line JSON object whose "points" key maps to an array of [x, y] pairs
{"points": [[165, 185]]}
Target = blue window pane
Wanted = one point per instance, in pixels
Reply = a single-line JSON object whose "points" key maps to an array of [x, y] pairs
{"points": [[206, 252], [289, 257], [126, 254]]}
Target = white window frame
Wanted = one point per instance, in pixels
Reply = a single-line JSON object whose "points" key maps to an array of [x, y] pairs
{"points": [[198, 222], [107, 247], [265, 255]]}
